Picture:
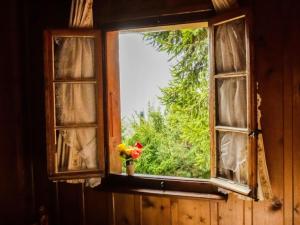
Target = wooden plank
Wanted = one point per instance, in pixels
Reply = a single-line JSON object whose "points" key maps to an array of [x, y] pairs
{"points": [[231, 212], [289, 48], [70, 204], [214, 213], [124, 11], [174, 211], [248, 213], [113, 100], [294, 63], [232, 129], [88, 81], [265, 213], [138, 209], [178, 194], [192, 212], [96, 209], [76, 125], [269, 72], [231, 75], [230, 185], [124, 212], [156, 210]]}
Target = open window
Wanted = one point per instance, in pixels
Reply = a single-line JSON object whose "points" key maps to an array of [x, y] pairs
{"points": [[232, 105], [232, 119], [74, 104]]}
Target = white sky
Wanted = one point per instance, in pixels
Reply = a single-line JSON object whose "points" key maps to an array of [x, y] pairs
{"points": [[143, 70]]}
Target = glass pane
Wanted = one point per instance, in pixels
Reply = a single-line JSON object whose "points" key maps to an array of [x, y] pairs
{"points": [[232, 156], [74, 57], [75, 103], [230, 47], [76, 149], [231, 102]]}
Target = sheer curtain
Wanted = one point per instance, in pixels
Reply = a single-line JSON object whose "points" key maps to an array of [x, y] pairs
{"points": [[76, 102], [232, 110]]}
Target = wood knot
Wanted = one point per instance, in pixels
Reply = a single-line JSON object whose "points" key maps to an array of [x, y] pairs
{"points": [[276, 204]]}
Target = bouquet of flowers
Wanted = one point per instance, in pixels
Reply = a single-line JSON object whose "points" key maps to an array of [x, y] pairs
{"points": [[130, 153]]}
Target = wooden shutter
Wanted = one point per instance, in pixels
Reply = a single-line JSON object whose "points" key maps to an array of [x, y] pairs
{"points": [[232, 123], [56, 129]]}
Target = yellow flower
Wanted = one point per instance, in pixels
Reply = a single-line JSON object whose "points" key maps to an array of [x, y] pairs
{"points": [[122, 147]]}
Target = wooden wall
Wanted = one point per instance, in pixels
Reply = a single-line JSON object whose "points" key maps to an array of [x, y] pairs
{"points": [[277, 67], [16, 205]]}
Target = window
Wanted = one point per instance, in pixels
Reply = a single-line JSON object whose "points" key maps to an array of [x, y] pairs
{"points": [[74, 104], [231, 99]]}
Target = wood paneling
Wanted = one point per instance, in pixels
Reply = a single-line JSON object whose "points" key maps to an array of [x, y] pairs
{"points": [[16, 189]]}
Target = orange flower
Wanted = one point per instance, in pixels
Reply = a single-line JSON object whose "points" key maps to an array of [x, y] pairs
{"points": [[135, 154]]}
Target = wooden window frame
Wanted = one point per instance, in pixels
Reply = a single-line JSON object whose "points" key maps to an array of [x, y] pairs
{"points": [[51, 126], [114, 124], [250, 189], [109, 132]]}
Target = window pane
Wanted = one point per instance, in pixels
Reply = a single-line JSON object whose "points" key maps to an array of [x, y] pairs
{"points": [[75, 103], [230, 47], [76, 149], [232, 156], [232, 102], [74, 58]]}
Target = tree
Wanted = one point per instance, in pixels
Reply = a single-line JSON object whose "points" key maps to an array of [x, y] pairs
{"points": [[177, 140]]}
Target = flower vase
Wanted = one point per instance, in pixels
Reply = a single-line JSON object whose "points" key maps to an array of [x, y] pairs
{"points": [[130, 167]]}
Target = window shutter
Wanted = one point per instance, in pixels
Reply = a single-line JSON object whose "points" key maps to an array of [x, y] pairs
{"points": [[232, 104], [74, 103]]}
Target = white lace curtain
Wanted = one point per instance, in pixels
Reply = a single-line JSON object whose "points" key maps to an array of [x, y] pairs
{"points": [[76, 102]]}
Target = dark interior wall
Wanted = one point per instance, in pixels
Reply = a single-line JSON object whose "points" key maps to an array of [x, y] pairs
{"points": [[16, 204], [39, 15], [24, 186]]}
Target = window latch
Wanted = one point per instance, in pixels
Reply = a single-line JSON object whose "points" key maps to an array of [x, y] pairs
{"points": [[255, 133], [162, 185]]}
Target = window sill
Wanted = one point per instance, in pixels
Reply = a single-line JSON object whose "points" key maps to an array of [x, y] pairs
{"points": [[162, 186]]}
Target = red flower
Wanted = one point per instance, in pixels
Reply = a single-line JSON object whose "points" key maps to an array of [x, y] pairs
{"points": [[138, 145], [135, 154]]}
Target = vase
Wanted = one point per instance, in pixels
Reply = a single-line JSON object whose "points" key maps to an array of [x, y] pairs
{"points": [[130, 167]]}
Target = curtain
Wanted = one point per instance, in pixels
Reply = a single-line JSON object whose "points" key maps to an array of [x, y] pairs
{"points": [[75, 103], [230, 56]]}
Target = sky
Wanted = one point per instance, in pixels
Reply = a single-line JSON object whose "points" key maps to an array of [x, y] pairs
{"points": [[143, 71]]}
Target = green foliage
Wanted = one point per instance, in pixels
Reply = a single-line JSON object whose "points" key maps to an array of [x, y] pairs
{"points": [[176, 142]]}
